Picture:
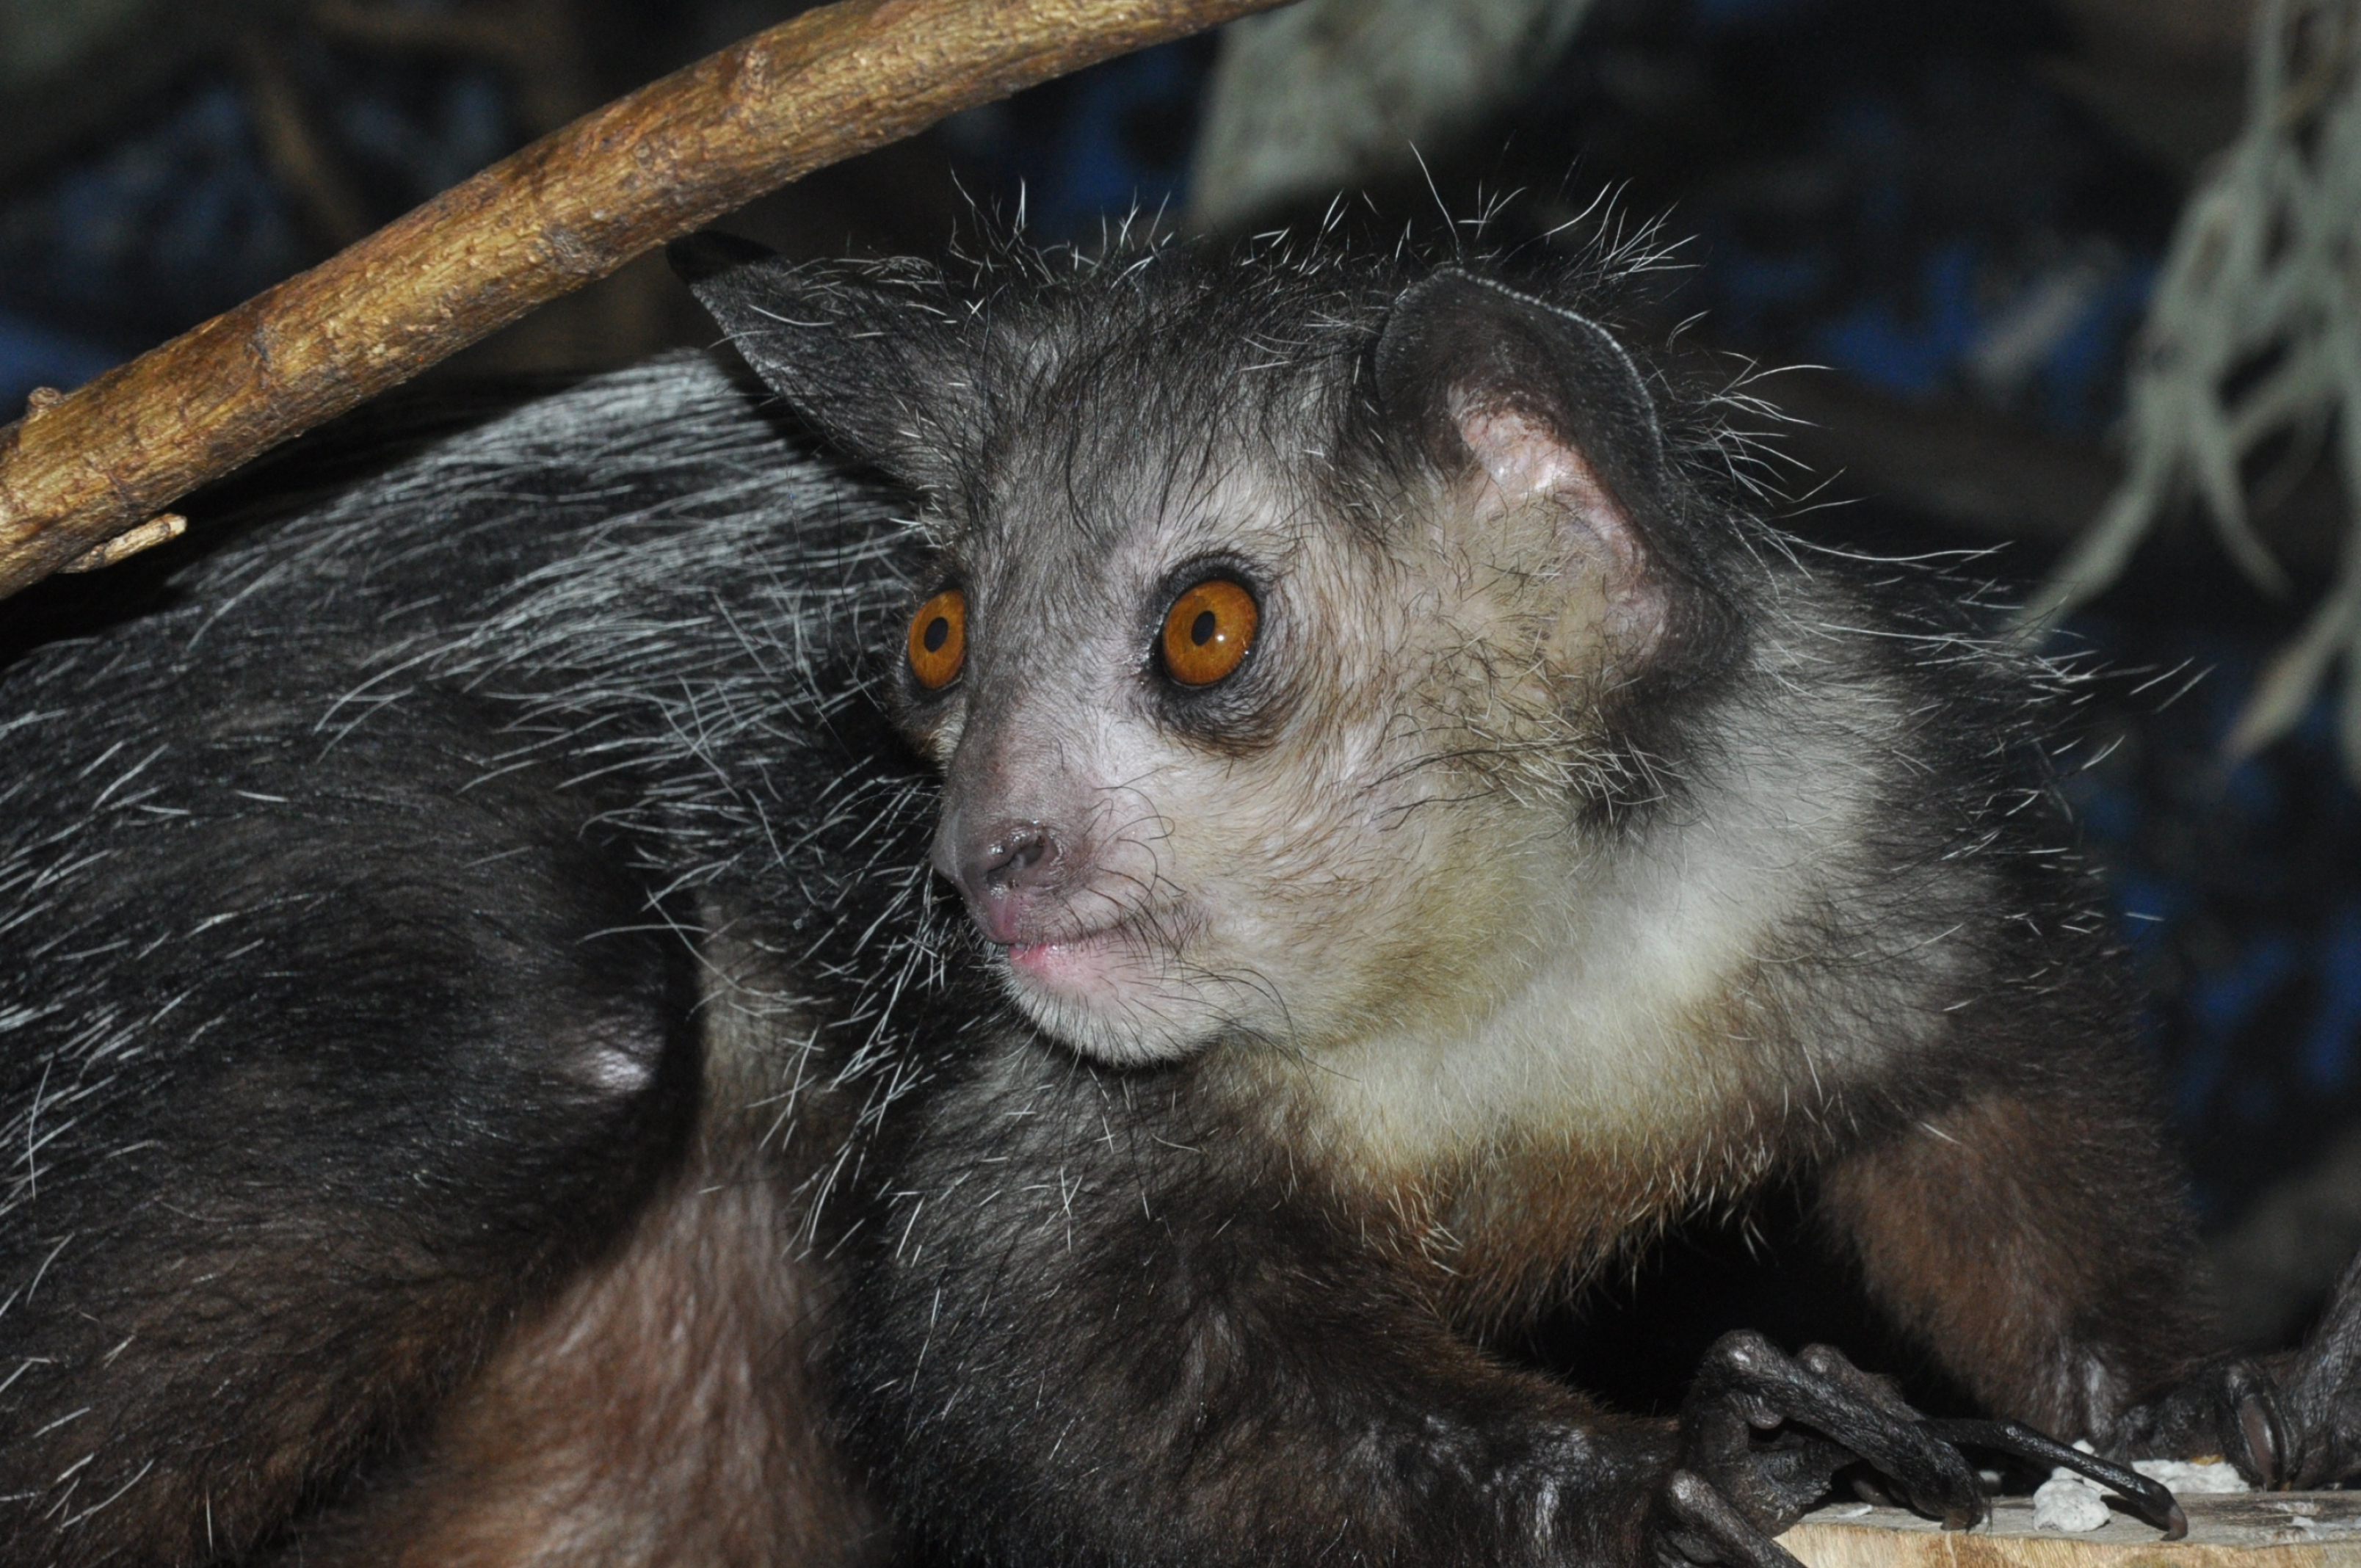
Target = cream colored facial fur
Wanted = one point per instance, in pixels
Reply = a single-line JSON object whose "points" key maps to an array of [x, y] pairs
{"points": [[1393, 918]]}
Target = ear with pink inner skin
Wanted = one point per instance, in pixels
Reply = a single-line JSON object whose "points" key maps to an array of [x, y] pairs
{"points": [[1526, 409]]}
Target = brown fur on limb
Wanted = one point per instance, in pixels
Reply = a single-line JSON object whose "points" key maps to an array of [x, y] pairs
{"points": [[570, 208]]}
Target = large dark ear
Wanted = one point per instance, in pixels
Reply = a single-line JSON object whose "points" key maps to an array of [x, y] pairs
{"points": [[1516, 401], [1455, 341], [873, 362]]}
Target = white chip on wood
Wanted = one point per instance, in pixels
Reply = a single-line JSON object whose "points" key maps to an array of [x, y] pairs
{"points": [[2180, 1475], [2066, 1502]]}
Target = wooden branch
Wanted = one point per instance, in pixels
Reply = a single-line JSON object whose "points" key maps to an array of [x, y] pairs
{"points": [[570, 208]]}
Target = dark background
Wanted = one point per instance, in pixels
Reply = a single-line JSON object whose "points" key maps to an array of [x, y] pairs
{"points": [[1956, 206]]}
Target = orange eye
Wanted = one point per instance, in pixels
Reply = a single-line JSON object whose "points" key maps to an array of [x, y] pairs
{"points": [[938, 640], [1208, 631]]}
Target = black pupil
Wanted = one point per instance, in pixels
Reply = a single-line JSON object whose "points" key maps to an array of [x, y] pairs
{"points": [[1201, 630], [938, 632]]}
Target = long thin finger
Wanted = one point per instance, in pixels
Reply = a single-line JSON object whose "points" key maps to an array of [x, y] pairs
{"points": [[1827, 1362]]}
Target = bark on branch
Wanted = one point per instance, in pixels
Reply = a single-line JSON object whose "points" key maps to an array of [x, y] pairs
{"points": [[79, 471]]}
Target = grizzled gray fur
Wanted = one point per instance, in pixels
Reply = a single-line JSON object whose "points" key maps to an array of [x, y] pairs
{"points": [[1030, 937]]}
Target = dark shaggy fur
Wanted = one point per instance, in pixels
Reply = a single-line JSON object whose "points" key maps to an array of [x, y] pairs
{"points": [[482, 928]]}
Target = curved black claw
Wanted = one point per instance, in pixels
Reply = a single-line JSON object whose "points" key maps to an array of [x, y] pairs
{"points": [[2152, 1500]]}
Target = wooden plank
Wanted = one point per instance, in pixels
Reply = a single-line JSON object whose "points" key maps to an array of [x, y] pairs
{"points": [[2255, 1529]]}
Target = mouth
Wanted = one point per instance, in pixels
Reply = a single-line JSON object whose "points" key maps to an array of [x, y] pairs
{"points": [[1071, 959], [1119, 994], [1123, 954]]}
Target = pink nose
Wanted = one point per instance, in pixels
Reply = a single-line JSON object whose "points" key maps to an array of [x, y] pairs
{"points": [[1008, 873]]}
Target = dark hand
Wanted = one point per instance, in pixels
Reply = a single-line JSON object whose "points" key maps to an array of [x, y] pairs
{"points": [[1763, 1434], [2312, 1399], [2292, 1419], [2230, 1406]]}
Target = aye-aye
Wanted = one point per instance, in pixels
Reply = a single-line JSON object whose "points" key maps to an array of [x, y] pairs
{"points": [[1026, 941]]}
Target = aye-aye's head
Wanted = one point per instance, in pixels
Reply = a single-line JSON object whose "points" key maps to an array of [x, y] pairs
{"points": [[1289, 634]]}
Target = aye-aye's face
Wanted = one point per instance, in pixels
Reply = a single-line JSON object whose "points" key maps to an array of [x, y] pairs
{"points": [[1221, 763], [1206, 751]]}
